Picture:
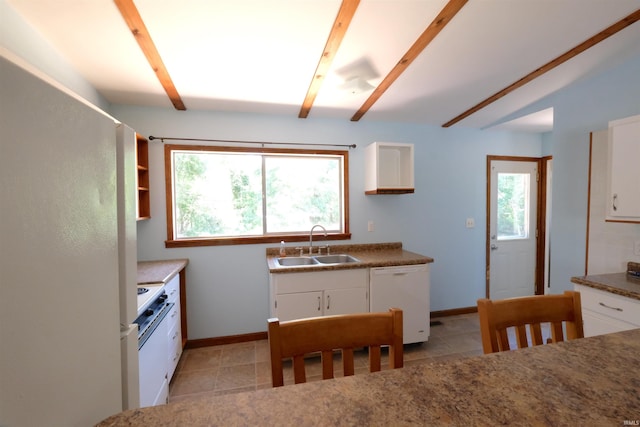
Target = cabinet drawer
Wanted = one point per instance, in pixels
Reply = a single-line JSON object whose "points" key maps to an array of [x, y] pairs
{"points": [[173, 317], [173, 289], [608, 304], [598, 324], [175, 348]]}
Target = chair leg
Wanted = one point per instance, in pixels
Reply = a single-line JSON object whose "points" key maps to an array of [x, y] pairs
{"points": [[374, 358], [327, 364], [347, 361]]}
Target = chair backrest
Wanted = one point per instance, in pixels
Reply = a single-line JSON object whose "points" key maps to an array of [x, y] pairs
{"points": [[295, 338], [497, 316]]}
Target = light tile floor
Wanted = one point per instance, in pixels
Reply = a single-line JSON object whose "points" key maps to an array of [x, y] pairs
{"points": [[242, 367]]}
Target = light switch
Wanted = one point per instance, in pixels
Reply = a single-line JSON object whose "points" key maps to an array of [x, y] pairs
{"points": [[471, 223], [370, 226]]}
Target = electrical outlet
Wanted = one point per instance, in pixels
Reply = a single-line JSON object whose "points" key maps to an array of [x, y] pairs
{"points": [[471, 223], [370, 226]]}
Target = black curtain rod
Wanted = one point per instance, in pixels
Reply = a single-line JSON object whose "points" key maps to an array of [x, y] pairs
{"points": [[162, 138]]}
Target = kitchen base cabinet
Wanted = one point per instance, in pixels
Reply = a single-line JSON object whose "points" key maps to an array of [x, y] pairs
{"points": [[319, 293], [172, 289], [605, 312]]}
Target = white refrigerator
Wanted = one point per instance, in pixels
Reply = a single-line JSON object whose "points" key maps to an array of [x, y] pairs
{"points": [[67, 257]]}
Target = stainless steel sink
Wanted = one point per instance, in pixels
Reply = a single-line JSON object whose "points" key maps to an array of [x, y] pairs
{"points": [[336, 259], [294, 261]]}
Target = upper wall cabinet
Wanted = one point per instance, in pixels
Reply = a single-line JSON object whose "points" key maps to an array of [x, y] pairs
{"points": [[142, 178], [388, 168], [623, 202]]}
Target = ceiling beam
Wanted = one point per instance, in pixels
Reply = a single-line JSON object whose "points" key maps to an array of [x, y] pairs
{"points": [[602, 35], [443, 18], [339, 29], [139, 30]]}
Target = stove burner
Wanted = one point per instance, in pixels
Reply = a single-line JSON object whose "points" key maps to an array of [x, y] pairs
{"points": [[142, 291]]}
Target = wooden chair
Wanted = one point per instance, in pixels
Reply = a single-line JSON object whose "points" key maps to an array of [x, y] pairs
{"points": [[497, 316], [295, 338]]}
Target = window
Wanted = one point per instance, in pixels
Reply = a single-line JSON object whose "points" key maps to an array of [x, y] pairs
{"points": [[513, 206], [225, 195]]}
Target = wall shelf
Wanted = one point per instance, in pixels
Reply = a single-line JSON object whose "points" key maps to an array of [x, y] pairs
{"points": [[389, 168], [143, 205]]}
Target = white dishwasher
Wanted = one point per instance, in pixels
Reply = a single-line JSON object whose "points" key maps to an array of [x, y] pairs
{"points": [[406, 287]]}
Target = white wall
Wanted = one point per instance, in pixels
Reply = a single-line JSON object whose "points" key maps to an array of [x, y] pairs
{"points": [[584, 107], [18, 38], [228, 286]]}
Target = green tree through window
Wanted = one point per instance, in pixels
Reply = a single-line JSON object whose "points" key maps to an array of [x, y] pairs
{"points": [[224, 193], [513, 192]]}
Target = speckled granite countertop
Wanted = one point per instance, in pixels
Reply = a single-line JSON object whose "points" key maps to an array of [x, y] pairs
{"points": [[370, 255], [586, 382], [159, 271], [617, 283]]}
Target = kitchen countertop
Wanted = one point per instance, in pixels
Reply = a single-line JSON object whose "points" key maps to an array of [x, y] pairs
{"points": [[616, 283], [370, 255], [589, 381], [159, 271]]}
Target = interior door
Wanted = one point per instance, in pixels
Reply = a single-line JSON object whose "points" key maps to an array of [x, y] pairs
{"points": [[512, 237]]}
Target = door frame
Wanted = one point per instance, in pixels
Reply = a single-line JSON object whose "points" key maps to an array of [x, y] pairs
{"points": [[541, 222]]}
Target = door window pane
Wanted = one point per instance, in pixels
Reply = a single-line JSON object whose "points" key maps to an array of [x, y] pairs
{"points": [[513, 206]]}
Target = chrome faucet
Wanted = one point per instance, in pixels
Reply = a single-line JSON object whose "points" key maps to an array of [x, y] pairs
{"points": [[311, 237]]}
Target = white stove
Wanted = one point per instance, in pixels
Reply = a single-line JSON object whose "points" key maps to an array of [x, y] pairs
{"points": [[146, 298]]}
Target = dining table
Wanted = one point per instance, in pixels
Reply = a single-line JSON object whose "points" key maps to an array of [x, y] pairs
{"points": [[591, 381]]}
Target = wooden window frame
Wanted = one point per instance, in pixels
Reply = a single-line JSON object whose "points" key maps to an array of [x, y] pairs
{"points": [[171, 242]]}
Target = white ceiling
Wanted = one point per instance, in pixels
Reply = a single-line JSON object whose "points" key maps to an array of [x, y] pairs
{"points": [[260, 55]]}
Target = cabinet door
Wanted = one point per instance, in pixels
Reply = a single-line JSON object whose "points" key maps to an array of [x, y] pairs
{"points": [[298, 305], [624, 173], [345, 301]]}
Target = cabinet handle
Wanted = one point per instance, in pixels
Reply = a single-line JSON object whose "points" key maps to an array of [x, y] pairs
{"points": [[608, 306], [615, 202], [319, 302], [328, 301]]}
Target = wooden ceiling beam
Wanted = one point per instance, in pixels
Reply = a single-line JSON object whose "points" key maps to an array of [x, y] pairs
{"points": [[340, 25], [602, 35], [443, 18], [139, 30]]}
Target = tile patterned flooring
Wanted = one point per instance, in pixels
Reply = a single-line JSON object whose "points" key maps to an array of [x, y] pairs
{"points": [[242, 367]]}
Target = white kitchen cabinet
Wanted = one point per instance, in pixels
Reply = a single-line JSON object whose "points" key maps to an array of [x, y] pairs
{"points": [[298, 305], [405, 287], [319, 293], [623, 202], [389, 168], [174, 350], [605, 312]]}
